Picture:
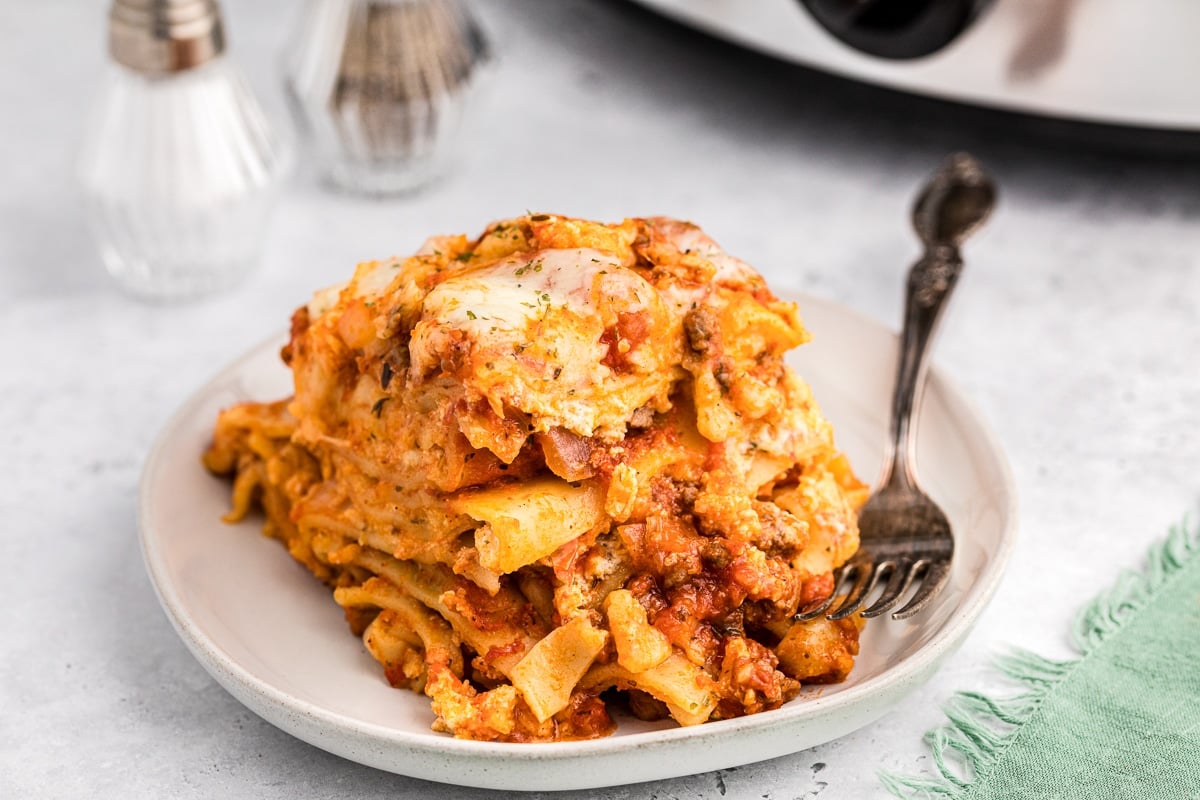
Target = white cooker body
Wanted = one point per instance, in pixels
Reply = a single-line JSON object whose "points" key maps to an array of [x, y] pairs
{"points": [[1124, 62]]}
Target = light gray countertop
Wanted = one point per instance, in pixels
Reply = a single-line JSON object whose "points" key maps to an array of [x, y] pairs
{"points": [[1076, 331]]}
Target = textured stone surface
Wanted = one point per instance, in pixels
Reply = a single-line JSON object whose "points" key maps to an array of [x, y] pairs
{"points": [[1076, 331]]}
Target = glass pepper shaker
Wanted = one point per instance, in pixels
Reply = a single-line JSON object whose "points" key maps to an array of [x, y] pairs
{"points": [[180, 167], [379, 88]]}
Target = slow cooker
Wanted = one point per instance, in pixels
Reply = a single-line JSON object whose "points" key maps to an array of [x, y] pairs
{"points": [[1116, 62]]}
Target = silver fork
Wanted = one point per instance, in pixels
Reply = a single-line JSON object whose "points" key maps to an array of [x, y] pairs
{"points": [[904, 537]]}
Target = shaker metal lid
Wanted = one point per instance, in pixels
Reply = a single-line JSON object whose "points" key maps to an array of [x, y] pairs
{"points": [[158, 37]]}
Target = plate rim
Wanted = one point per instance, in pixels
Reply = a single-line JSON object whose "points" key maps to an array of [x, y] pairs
{"points": [[277, 705]]}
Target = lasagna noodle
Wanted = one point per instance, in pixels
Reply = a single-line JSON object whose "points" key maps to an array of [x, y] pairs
{"points": [[555, 467]]}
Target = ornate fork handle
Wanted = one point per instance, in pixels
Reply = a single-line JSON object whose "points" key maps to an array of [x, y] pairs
{"points": [[930, 283]]}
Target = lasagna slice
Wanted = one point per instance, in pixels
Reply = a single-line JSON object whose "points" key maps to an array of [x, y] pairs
{"points": [[556, 467]]}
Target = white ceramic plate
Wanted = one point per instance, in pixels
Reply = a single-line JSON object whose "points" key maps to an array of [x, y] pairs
{"points": [[274, 638]]}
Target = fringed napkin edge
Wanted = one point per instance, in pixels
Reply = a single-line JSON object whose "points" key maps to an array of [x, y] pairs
{"points": [[980, 728]]}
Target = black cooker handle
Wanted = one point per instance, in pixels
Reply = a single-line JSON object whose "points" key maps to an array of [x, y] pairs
{"points": [[898, 29]]}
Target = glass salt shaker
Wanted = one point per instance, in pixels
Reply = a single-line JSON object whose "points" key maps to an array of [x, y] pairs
{"points": [[379, 88], [180, 167]]}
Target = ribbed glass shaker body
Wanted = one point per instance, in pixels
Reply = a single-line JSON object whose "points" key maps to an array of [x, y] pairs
{"points": [[379, 87], [180, 173]]}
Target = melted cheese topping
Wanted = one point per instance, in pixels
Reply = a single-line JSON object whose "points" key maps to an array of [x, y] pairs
{"points": [[528, 333], [504, 298]]}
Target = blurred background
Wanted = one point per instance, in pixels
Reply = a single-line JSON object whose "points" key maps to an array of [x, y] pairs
{"points": [[605, 109], [1074, 328]]}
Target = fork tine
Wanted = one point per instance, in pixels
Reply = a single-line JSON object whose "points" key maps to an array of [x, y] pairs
{"points": [[814, 611], [935, 578], [899, 580], [864, 582]]}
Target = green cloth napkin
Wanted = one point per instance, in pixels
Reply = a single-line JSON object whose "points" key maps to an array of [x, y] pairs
{"points": [[1121, 721]]}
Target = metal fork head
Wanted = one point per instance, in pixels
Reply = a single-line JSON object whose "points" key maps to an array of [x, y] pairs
{"points": [[904, 539]]}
